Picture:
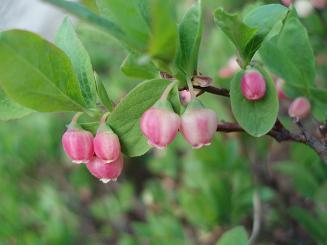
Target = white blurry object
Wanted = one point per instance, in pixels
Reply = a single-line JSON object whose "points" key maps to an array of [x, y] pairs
{"points": [[303, 8], [32, 15]]}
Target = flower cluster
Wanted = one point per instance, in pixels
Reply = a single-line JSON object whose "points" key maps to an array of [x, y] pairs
{"points": [[160, 124], [101, 153]]}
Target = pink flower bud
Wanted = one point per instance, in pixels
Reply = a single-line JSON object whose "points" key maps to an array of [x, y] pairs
{"points": [[198, 124], [106, 144], [185, 97], [319, 4], [287, 3], [230, 69], [78, 144], [160, 124], [279, 83], [105, 171], [299, 108], [253, 85]]}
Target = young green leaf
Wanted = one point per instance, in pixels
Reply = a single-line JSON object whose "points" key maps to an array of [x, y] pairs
{"points": [[265, 17], [45, 81], [68, 41], [85, 14], [103, 94], [164, 38], [133, 67], [243, 36], [10, 109], [129, 18], [190, 34], [248, 35], [125, 118], [290, 56], [237, 235], [255, 117]]}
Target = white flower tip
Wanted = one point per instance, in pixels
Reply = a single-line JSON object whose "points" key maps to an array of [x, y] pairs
{"points": [[80, 161], [105, 181]]}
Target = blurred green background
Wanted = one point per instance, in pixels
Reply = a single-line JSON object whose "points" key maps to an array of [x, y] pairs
{"points": [[176, 196]]}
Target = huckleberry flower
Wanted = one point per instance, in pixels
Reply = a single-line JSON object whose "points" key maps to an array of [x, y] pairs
{"points": [[105, 172], [78, 143], [160, 124], [106, 142], [299, 108], [198, 124], [253, 85]]}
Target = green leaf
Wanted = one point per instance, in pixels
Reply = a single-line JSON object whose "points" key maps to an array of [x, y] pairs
{"points": [[244, 37], [319, 100], [265, 17], [37, 74], [132, 66], [124, 119], [130, 20], [190, 34], [85, 14], [248, 35], [290, 56], [237, 235], [164, 38], [310, 223], [256, 117], [68, 41], [10, 109], [103, 94]]}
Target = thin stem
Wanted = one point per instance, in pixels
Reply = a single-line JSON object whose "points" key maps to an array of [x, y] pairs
{"points": [[104, 118], [165, 94], [256, 217], [76, 117], [191, 89]]}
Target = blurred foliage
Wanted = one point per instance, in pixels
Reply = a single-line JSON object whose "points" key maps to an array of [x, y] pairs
{"points": [[176, 196]]}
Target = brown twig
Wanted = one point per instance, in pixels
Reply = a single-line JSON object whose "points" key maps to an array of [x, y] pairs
{"points": [[214, 90], [278, 132]]}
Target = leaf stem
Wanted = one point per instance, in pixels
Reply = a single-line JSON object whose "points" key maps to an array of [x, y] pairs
{"points": [[104, 118], [191, 89], [76, 117], [165, 94]]}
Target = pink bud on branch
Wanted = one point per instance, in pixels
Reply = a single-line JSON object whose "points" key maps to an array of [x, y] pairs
{"points": [[198, 124], [299, 108], [78, 143], [106, 171], [106, 142], [185, 97], [160, 125], [253, 85]]}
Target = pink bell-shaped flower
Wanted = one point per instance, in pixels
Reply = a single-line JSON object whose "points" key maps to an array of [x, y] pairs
{"points": [[160, 124], [253, 85], [106, 172], [299, 108], [198, 124], [78, 143], [106, 142]]}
